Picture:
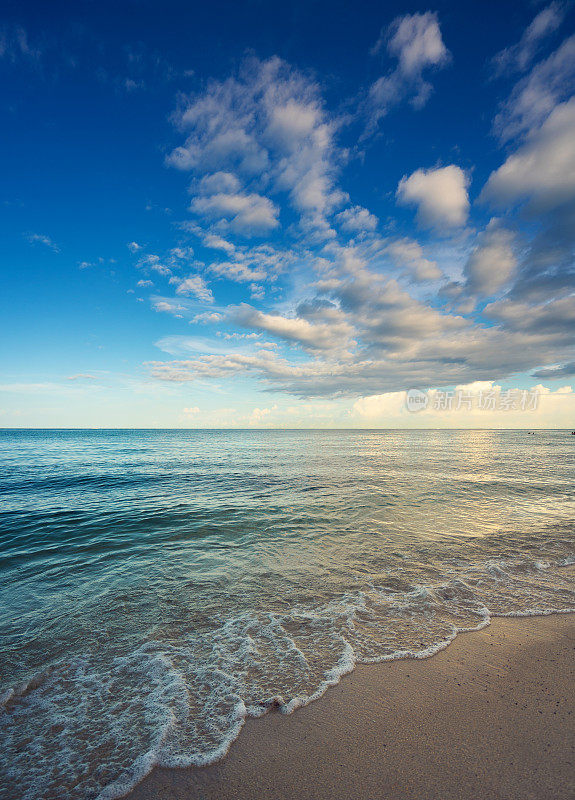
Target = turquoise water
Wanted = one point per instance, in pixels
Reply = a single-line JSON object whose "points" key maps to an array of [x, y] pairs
{"points": [[157, 587]]}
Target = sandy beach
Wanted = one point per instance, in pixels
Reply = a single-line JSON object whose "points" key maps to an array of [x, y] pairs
{"points": [[492, 716]]}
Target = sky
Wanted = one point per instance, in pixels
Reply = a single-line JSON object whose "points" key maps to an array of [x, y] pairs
{"points": [[287, 215]]}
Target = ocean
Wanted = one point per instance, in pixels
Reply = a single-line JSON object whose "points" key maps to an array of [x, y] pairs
{"points": [[159, 587]]}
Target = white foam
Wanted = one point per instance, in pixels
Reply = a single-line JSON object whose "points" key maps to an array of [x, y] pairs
{"points": [[184, 703]]}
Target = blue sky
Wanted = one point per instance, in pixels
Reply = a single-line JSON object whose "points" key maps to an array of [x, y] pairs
{"points": [[266, 214]]}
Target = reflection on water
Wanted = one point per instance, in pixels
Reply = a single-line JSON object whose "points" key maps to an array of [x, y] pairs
{"points": [[157, 586]]}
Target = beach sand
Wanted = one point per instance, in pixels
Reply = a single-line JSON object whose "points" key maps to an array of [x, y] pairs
{"points": [[492, 716]]}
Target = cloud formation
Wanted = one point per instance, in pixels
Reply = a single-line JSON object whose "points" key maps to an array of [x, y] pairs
{"points": [[415, 41], [542, 170], [440, 196], [42, 239], [264, 128], [545, 408], [519, 56], [355, 307], [409, 254], [536, 95], [195, 286], [492, 261]]}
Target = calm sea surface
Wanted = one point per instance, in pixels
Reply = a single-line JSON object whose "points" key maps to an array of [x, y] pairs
{"points": [[156, 587]]}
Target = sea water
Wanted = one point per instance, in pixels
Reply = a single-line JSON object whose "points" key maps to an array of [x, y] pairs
{"points": [[159, 587]]}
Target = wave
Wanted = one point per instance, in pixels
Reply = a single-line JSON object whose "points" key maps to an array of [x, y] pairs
{"points": [[92, 726]]}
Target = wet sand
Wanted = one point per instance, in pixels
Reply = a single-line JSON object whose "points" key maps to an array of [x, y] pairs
{"points": [[492, 716]]}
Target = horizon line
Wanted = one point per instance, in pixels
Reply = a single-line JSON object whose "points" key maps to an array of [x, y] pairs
{"points": [[103, 428]]}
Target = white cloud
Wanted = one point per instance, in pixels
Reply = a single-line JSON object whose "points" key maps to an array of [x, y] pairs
{"points": [[193, 285], [265, 125], [257, 291], [363, 334], [543, 408], [409, 254], [416, 41], [207, 317], [181, 254], [493, 261], [248, 263], [555, 318], [218, 243], [259, 415], [238, 271], [519, 56], [168, 307], [328, 335], [151, 261], [440, 195], [535, 96], [247, 213], [219, 183], [46, 241], [341, 327], [356, 220], [542, 170], [294, 121]]}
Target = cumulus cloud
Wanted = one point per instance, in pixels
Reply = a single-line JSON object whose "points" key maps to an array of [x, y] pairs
{"points": [[555, 318], [195, 286], [219, 183], [493, 260], [324, 334], [216, 242], [168, 307], [207, 317], [365, 335], [356, 220], [265, 124], [538, 407], [174, 260], [258, 416], [542, 170], [153, 262], [248, 263], [537, 177], [246, 213], [538, 93], [340, 326], [409, 254], [238, 271], [415, 41], [440, 196]]}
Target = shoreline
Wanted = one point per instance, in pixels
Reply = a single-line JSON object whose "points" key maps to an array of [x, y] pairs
{"points": [[492, 715]]}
